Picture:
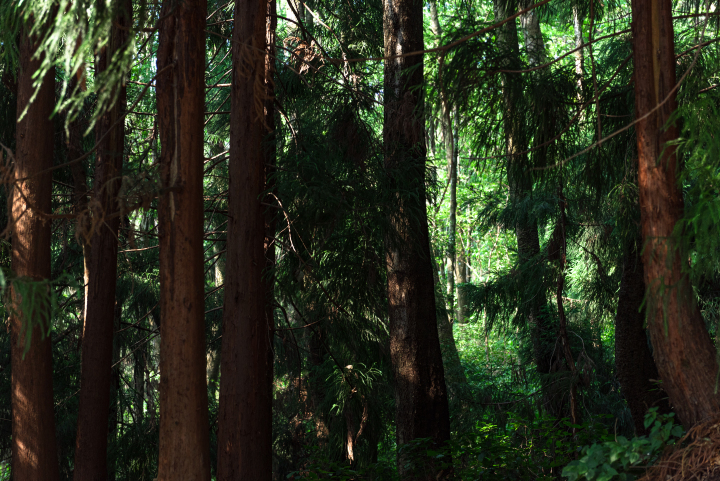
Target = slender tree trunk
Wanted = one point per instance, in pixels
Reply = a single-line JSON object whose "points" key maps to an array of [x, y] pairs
{"points": [[245, 418], [454, 372], [452, 234], [683, 351], [450, 142], [521, 182], [101, 268], [34, 446], [458, 264], [139, 382], [557, 252], [213, 354], [633, 360], [450, 137], [184, 428], [578, 30], [420, 392], [270, 159], [80, 189], [532, 33]]}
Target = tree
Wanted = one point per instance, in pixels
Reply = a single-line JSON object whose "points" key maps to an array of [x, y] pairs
{"points": [[245, 419], [636, 368], [184, 429], [520, 176], [97, 346], [34, 449], [683, 351], [420, 391]]}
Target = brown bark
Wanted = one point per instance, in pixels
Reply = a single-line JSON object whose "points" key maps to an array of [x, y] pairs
{"points": [[420, 392], [633, 359], [184, 430], [521, 183], [34, 448], [683, 351], [245, 417], [101, 267]]}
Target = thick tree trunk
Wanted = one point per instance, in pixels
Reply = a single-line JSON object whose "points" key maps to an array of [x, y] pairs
{"points": [[101, 267], [683, 351], [245, 418], [184, 429], [34, 448], [633, 360], [420, 392]]}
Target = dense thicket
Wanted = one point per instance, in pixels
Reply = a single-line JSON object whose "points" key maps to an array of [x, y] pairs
{"points": [[356, 240]]}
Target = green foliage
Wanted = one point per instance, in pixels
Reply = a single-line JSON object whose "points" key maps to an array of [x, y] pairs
{"points": [[616, 459], [333, 196], [531, 450], [38, 303]]}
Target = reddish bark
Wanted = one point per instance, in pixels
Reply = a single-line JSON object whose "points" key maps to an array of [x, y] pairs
{"points": [[184, 429], [684, 353], [420, 392], [97, 347], [245, 417], [34, 448]]}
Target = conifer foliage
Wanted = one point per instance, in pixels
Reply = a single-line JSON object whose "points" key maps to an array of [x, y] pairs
{"points": [[379, 239]]}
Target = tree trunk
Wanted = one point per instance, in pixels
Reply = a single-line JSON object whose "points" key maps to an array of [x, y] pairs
{"points": [[521, 183], [450, 142], [578, 30], [270, 161], [557, 253], [454, 372], [115, 393], [683, 351], [101, 268], [420, 392], [34, 454], [532, 33], [245, 417], [633, 360], [184, 430], [458, 259]]}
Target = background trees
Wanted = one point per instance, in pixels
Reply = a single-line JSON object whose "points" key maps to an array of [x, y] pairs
{"points": [[345, 208]]}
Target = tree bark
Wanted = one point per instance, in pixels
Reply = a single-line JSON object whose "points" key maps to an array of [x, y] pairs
{"points": [[683, 351], [633, 360], [534, 43], [101, 267], [557, 253], [454, 372], [34, 448], [521, 183], [245, 417], [578, 31], [184, 430], [420, 392]]}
